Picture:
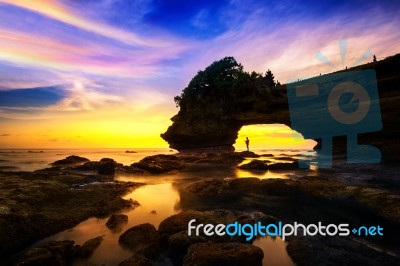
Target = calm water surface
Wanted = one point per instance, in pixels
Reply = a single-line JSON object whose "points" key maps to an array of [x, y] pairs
{"points": [[158, 200]]}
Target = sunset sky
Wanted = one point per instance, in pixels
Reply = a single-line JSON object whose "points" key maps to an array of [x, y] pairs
{"points": [[103, 73]]}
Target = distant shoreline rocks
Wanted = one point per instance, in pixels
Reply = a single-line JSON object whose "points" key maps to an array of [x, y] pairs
{"points": [[70, 160]]}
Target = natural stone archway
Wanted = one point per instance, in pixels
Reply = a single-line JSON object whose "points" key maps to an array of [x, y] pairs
{"points": [[211, 121], [202, 128], [264, 137]]}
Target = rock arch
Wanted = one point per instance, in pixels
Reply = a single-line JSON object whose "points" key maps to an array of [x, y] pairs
{"points": [[206, 126], [201, 129]]}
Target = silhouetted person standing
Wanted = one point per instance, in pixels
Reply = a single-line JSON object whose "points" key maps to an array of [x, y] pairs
{"points": [[247, 143]]}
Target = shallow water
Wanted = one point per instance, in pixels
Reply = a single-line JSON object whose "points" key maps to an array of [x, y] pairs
{"points": [[158, 200], [161, 198]]}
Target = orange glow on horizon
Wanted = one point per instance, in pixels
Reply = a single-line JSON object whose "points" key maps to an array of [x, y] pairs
{"points": [[274, 136], [125, 133]]}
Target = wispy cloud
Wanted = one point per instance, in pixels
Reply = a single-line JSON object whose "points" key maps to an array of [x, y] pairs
{"points": [[117, 60], [57, 10], [89, 56], [289, 46]]}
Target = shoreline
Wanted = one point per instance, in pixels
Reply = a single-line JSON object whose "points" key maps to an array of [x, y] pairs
{"points": [[60, 197]]}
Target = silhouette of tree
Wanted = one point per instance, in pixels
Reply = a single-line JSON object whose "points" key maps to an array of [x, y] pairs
{"points": [[223, 87], [374, 59], [177, 100], [270, 79]]}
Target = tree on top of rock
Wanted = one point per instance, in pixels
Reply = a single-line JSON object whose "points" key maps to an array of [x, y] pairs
{"points": [[221, 85]]}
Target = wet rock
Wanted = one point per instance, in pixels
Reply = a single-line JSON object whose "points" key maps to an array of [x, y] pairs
{"points": [[133, 170], [256, 165], [318, 250], [232, 157], [117, 204], [116, 222], [40, 204], [159, 163], [87, 249], [71, 160], [216, 254], [106, 168], [52, 253], [137, 260], [222, 188], [142, 239], [216, 158], [267, 155], [243, 184], [88, 166], [178, 222], [211, 187], [107, 160], [249, 154], [179, 243], [285, 158], [289, 166]]}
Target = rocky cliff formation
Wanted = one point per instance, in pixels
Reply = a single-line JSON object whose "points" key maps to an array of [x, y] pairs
{"points": [[223, 98]]}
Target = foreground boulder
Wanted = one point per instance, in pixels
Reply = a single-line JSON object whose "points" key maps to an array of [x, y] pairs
{"points": [[137, 260], [255, 165], [179, 243], [52, 253], [141, 239], [159, 163], [116, 222], [320, 250], [178, 222], [107, 166], [216, 254], [87, 249], [249, 154], [289, 166]]}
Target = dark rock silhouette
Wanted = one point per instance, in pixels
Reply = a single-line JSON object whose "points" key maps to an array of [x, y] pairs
{"points": [[211, 114], [137, 260], [215, 254], [287, 166], [52, 253], [87, 249], [142, 239], [116, 222], [217, 102], [70, 160], [159, 163], [256, 165]]}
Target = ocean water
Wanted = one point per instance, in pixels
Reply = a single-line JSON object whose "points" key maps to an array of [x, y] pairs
{"points": [[30, 160], [34, 159]]}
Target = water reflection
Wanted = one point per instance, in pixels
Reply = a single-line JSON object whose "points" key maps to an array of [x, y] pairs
{"points": [[274, 251], [161, 198]]}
